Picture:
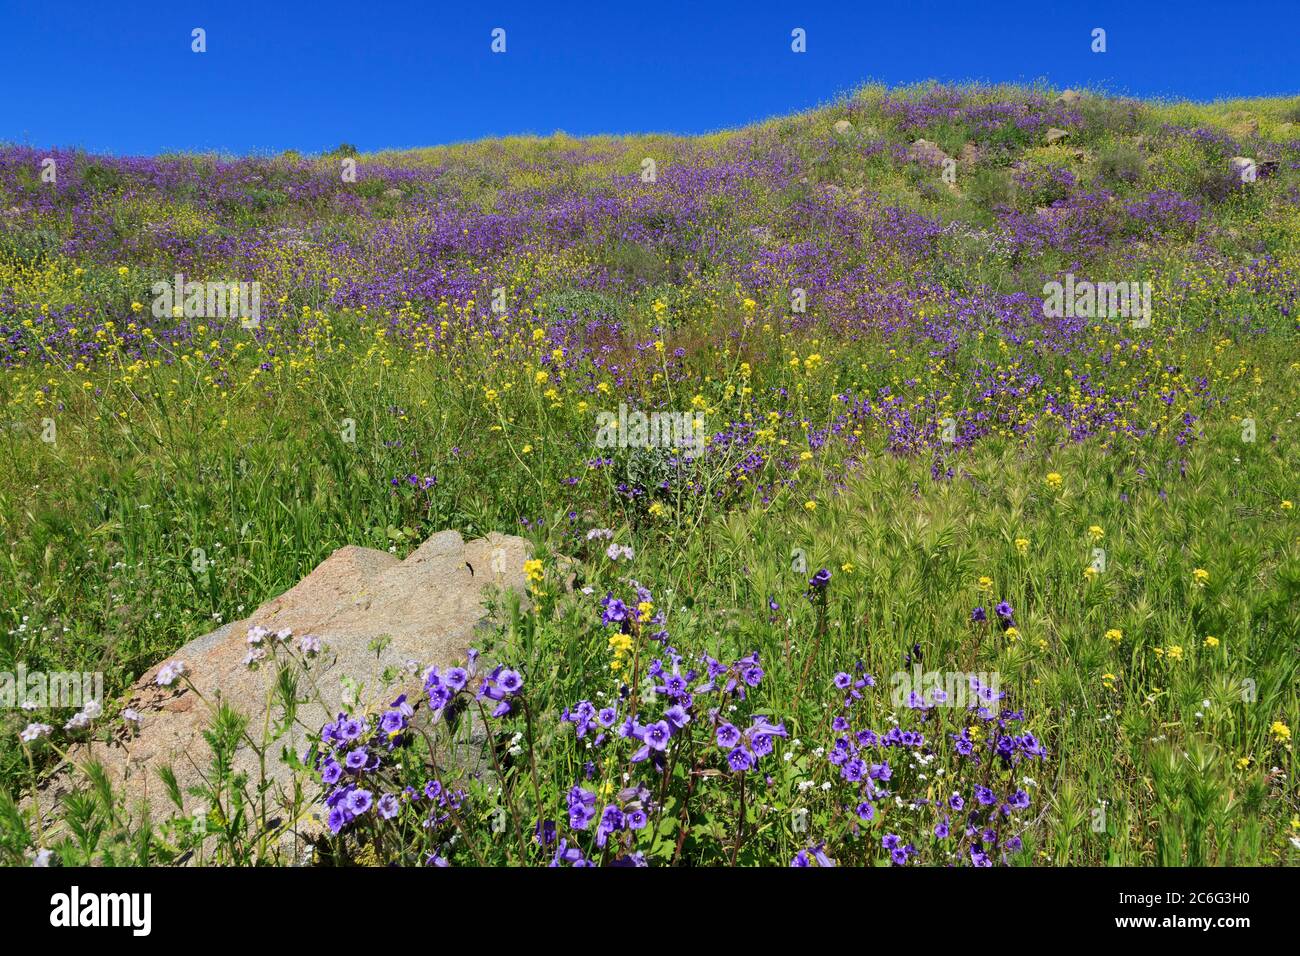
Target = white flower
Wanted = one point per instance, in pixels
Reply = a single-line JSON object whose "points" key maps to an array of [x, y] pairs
{"points": [[169, 672], [34, 731], [42, 857], [92, 709], [257, 634], [311, 645], [284, 634], [131, 715], [254, 656], [77, 721]]}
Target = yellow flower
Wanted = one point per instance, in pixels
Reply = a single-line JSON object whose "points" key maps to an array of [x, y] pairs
{"points": [[1175, 652], [540, 378], [1244, 762], [136, 307], [1022, 546], [1109, 680], [985, 584], [533, 571], [847, 567], [1090, 573], [1095, 533], [1200, 577], [1287, 506], [659, 345], [644, 610], [658, 509], [1012, 634], [810, 506], [1053, 480], [1280, 731], [1211, 642], [526, 450], [1115, 635], [123, 270]]}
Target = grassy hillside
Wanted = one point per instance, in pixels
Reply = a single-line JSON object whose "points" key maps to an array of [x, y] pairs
{"points": [[1095, 508]]}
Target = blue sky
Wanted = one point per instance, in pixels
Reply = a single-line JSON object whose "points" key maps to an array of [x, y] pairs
{"points": [[120, 76]]}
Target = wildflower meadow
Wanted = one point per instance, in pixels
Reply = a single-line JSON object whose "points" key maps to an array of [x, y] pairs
{"points": [[906, 482]]}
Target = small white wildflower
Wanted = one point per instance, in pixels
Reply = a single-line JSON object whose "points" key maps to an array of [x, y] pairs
{"points": [[34, 731], [169, 672], [131, 715]]}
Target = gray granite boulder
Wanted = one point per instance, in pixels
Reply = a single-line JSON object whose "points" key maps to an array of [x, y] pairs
{"points": [[380, 622]]}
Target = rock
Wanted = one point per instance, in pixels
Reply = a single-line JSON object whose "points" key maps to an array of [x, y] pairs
{"points": [[1069, 96], [926, 152], [1244, 168], [1055, 135], [425, 609], [393, 193], [843, 126]]}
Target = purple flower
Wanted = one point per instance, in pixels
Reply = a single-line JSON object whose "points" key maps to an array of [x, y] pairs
{"points": [[356, 759], [740, 759], [657, 735], [728, 736], [389, 806]]}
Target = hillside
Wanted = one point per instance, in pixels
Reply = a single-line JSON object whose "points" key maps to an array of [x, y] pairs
{"points": [[1018, 370]]}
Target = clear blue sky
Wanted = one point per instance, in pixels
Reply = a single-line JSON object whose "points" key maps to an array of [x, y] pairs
{"points": [[119, 75]]}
